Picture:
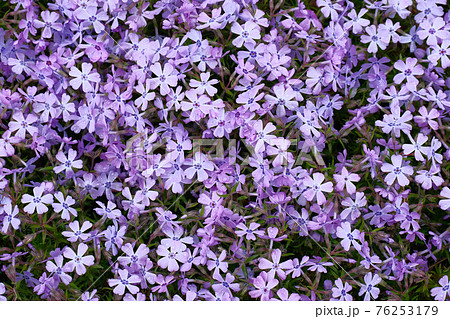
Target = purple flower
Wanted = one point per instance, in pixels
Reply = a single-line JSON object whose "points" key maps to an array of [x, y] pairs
{"points": [[10, 217], [49, 24], [440, 293], [84, 77], [316, 188], [133, 258], [349, 237], [77, 232], [275, 266], [246, 33], [2, 291], [368, 289], [432, 30], [397, 171], [125, 281], [22, 125], [263, 284], [225, 285], [249, 232], [64, 206], [37, 202], [170, 257], [56, 268], [198, 166], [341, 291], [77, 260], [408, 70], [345, 179]]}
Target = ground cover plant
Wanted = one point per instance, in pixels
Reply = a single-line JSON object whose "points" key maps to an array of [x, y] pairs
{"points": [[224, 150]]}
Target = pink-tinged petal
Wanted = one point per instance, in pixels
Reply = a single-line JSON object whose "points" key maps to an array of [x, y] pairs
{"points": [[163, 262], [318, 177], [88, 260], [408, 170], [172, 265], [397, 160], [202, 175], [387, 167], [82, 249], [327, 187], [120, 289], [133, 289], [41, 208], [47, 199], [69, 253], [402, 180], [80, 269], [27, 198], [265, 264], [320, 198], [276, 256]]}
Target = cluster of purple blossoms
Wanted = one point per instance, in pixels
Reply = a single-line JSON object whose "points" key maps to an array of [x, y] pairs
{"points": [[224, 150]]}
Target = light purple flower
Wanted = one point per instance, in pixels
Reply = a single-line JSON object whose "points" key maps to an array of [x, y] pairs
{"points": [[368, 289]]}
